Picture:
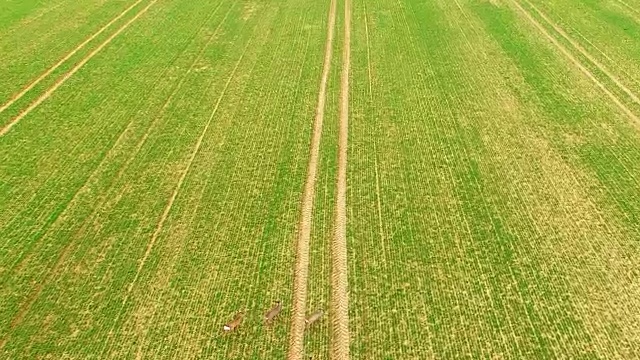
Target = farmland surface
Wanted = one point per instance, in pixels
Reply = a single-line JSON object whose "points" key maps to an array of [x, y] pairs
{"points": [[443, 178]]}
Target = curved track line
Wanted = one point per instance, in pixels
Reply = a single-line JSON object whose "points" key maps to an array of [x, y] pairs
{"points": [[75, 69], [176, 191], [17, 96], [577, 63], [339, 277], [586, 54], [301, 271]]}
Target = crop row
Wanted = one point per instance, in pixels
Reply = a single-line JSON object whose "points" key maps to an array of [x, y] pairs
{"points": [[216, 143], [49, 40], [491, 239]]}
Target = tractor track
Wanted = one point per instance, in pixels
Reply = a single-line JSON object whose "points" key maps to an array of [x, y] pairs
{"points": [[53, 68], [301, 270], [339, 273], [579, 65], [69, 74]]}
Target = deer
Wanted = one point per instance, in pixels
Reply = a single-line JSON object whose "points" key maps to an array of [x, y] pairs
{"points": [[233, 324], [313, 317], [273, 312]]}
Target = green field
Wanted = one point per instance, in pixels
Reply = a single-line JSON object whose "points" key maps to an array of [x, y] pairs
{"points": [[157, 158]]}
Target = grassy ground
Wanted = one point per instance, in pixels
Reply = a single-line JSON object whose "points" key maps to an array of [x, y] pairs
{"points": [[88, 257], [493, 194], [487, 176], [35, 35]]}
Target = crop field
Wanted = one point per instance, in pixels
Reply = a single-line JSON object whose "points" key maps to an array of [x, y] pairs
{"points": [[444, 179]]}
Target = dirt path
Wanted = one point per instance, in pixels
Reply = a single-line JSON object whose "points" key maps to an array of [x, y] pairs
{"points": [[577, 63], [75, 69], [35, 82], [301, 271], [339, 277]]}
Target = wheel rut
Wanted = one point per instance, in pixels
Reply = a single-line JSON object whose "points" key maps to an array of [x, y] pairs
{"points": [[301, 270], [339, 271]]}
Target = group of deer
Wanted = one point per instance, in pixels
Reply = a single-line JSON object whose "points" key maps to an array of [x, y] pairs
{"points": [[269, 316]]}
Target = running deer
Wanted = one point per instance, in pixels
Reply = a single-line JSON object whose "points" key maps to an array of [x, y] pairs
{"points": [[273, 312], [314, 317], [233, 324]]}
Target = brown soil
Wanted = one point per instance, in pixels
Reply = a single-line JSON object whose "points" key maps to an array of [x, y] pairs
{"points": [[339, 277]]}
